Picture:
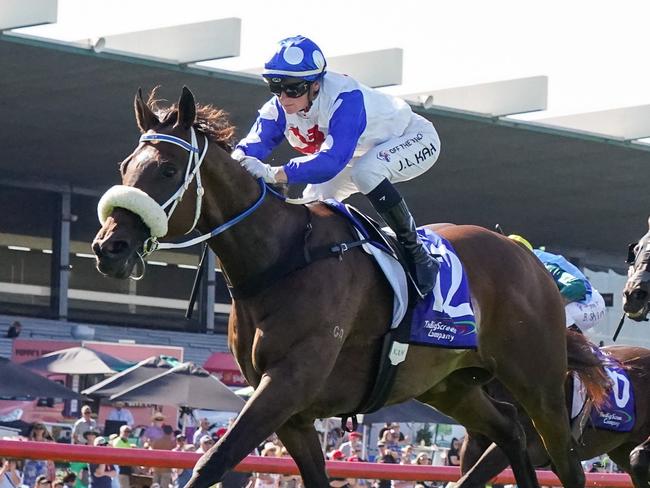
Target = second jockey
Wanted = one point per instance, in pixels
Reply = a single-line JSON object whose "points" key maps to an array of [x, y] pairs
{"points": [[354, 139], [584, 305]]}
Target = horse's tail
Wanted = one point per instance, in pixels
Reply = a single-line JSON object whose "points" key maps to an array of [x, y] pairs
{"points": [[588, 366]]}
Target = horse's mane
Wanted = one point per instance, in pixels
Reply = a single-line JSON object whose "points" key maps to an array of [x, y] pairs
{"points": [[210, 121]]}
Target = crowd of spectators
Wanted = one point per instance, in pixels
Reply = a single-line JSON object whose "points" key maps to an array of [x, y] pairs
{"points": [[35, 473], [392, 446]]}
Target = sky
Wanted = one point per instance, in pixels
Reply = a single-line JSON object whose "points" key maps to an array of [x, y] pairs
{"points": [[594, 52]]}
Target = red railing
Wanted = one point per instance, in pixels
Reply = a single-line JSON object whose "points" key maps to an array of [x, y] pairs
{"points": [[169, 459]]}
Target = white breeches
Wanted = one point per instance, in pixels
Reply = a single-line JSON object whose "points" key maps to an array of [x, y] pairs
{"points": [[586, 315], [398, 159]]}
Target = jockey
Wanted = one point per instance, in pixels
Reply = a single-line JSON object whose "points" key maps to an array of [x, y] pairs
{"points": [[353, 138], [584, 306]]}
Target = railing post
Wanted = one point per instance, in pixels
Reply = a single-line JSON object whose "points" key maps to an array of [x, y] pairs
{"points": [[206, 316], [60, 268]]}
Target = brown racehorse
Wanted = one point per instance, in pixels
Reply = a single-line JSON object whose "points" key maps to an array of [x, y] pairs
{"points": [[636, 294], [310, 341], [619, 445]]}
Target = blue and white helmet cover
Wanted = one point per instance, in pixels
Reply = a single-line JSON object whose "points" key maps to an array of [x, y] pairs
{"points": [[296, 57]]}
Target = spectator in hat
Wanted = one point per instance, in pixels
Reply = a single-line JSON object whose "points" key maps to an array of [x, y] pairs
{"points": [[180, 442], [219, 433], [101, 475], [122, 441], [205, 443], [154, 431], [267, 480], [353, 446], [204, 429], [84, 424], [337, 455], [423, 459], [41, 482], [33, 468], [90, 436], [120, 413]]}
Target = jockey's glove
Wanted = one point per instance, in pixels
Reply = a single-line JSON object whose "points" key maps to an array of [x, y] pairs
{"points": [[259, 169]]}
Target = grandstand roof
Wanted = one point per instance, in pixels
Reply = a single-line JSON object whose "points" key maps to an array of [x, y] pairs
{"points": [[68, 120]]}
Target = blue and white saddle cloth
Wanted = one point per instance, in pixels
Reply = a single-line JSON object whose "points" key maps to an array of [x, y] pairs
{"points": [[618, 412], [444, 318]]}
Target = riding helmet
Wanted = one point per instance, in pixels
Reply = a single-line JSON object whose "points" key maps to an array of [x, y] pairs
{"points": [[296, 57]]}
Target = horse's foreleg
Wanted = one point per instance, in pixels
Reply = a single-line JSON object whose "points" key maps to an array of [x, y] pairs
{"points": [[267, 410], [498, 421], [283, 390], [301, 440]]}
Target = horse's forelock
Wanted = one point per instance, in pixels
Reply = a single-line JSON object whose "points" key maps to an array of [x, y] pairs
{"points": [[210, 121]]}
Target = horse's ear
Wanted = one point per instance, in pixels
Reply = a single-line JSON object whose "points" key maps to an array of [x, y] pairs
{"points": [[648, 222], [144, 116], [186, 109]]}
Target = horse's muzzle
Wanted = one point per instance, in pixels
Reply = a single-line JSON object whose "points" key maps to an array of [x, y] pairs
{"points": [[117, 243], [114, 261], [115, 255], [635, 303]]}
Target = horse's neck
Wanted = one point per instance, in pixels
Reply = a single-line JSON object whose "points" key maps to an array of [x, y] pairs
{"points": [[258, 241]]}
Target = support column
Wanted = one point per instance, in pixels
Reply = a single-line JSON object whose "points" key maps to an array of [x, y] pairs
{"points": [[60, 269], [206, 317]]}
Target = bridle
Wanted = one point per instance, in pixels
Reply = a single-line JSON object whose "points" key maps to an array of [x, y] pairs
{"points": [[155, 215], [636, 250], [192, 171]]}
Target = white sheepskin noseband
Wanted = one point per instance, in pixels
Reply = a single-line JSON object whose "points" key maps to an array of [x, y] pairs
{"points": [[138, 202]]}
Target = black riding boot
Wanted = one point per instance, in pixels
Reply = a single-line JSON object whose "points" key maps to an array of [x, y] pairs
{"points": [[425, 267]]}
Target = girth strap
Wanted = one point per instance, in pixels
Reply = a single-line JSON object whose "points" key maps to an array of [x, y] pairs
{"points": [[300, 256]]}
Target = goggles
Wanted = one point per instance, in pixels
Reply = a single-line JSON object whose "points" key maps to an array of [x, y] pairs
{"points": [[292, 90]]}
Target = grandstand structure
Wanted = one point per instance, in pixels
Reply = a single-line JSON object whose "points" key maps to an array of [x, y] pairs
{"points": [[571, 184]]}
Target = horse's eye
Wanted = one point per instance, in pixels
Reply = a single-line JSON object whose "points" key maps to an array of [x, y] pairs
{"points": [[168, 170]]}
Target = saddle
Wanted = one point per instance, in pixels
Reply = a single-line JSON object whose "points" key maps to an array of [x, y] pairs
{"points": [[373, 231]]}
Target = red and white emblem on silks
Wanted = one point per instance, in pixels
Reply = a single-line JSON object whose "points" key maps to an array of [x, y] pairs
{"points": [[311, 142]]}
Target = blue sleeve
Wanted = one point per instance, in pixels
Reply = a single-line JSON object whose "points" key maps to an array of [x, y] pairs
{"points": [[266, 133], [347, 123]]}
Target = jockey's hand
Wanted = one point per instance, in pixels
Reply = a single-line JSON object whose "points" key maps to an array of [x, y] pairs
{"points": [[259, 169]]}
